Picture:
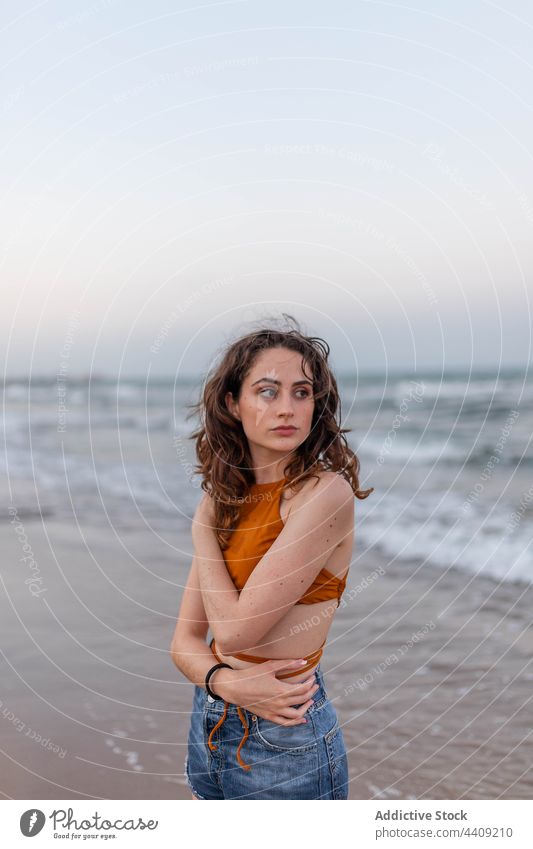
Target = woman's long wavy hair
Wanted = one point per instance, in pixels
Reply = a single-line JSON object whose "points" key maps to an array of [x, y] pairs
{"points": [[222, 450]]}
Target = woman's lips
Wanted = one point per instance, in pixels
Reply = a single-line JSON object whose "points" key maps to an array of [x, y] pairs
{"points": [[284, 431]]}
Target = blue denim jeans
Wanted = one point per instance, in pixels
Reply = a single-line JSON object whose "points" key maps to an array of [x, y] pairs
{"points": [[306, 761]]}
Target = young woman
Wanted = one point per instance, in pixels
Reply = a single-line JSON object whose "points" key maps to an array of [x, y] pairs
{"points": [[272, 538]]}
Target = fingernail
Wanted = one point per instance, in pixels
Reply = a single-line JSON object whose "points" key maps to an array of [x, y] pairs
{"points": [[300, 662]]}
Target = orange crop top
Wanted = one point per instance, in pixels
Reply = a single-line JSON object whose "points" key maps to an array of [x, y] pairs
{"points": [[259, 525]]}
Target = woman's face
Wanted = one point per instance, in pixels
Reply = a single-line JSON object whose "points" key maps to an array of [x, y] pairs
{"points": [[275, 393]]}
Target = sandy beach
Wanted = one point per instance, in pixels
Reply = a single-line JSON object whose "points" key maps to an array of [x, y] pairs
{"points": [[430, 671]]}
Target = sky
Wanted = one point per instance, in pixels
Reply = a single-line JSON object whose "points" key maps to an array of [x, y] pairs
{"points": [[175, 172]]}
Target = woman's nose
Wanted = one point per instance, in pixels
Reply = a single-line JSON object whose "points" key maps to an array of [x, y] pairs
{"points": [[285, 405]]}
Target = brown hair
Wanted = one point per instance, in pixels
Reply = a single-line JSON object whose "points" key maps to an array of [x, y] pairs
{"points": [[221, 444]]}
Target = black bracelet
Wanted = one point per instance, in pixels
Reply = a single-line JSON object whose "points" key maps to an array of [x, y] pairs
{"points": [[208, 676]]}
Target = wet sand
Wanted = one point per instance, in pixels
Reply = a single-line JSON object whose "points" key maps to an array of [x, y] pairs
{"points": [[430, 671]]}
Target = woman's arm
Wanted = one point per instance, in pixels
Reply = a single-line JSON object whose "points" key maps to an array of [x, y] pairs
{"points": [[188, 648], [284, 573], [259, 691]]}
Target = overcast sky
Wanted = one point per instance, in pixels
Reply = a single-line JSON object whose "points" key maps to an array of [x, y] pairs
{"points": [[169, 175]]}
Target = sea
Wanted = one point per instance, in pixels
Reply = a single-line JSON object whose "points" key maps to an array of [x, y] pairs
{"points": [[449, 456]]}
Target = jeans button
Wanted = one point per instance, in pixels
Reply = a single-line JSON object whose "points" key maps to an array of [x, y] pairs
{"points": [[254, 717]]}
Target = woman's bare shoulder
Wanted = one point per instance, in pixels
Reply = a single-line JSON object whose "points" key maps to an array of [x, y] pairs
{"points": [[331, 495], [330, 485]]}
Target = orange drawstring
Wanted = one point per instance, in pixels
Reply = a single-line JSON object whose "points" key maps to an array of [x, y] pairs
{"points": [[312, 659], [244, 737]]}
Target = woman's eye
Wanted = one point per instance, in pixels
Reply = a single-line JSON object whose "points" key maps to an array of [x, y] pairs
{"points": [[305, 393]]}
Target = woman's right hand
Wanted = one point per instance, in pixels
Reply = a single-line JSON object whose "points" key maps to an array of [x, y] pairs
{"points": [[259, 691]]}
